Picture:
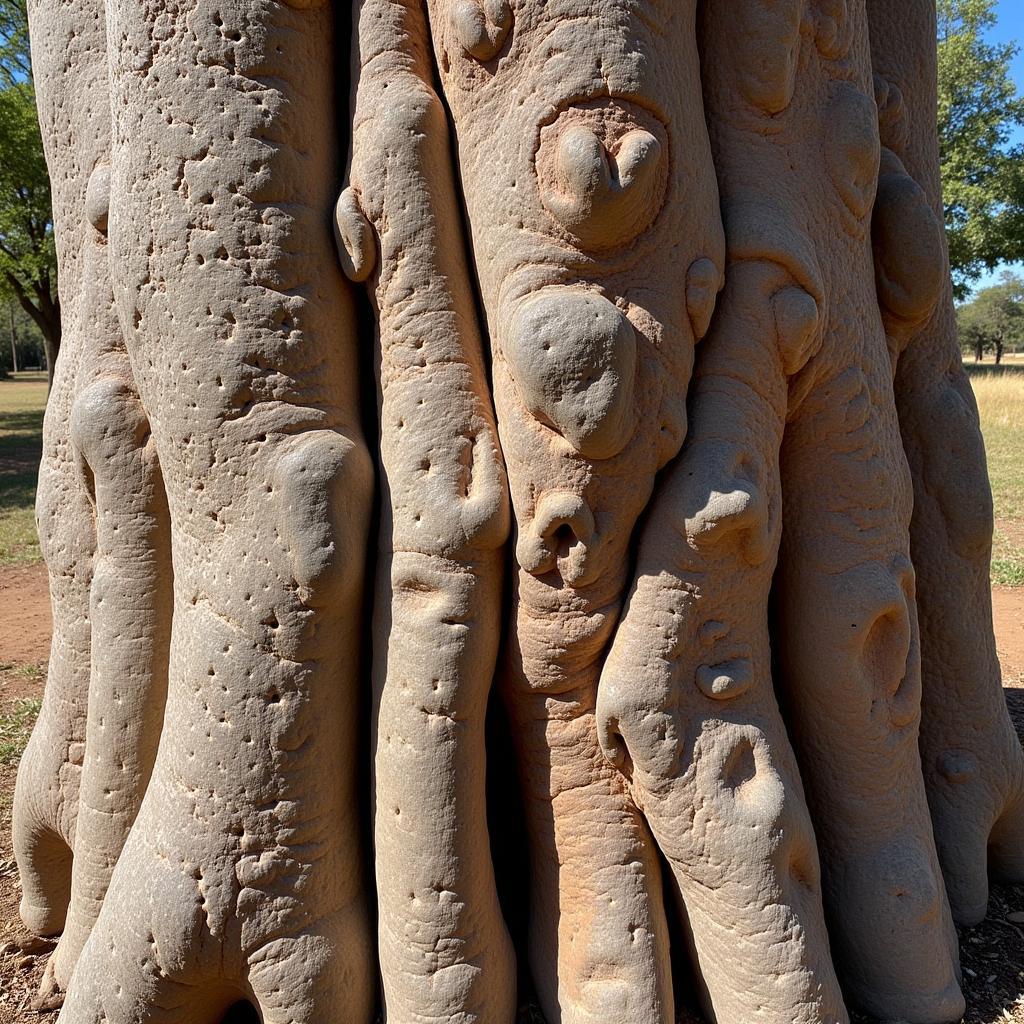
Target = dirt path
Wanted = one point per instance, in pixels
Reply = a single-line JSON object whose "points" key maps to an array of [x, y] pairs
{"points": [[1008, 616], [992, 953], [24, 615]]}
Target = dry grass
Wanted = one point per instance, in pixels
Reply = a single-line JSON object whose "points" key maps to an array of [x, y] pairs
{"points": [[1000, 395]]}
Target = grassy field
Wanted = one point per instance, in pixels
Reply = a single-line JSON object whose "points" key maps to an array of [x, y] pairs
{"points": [[21, 429], [1000, 394]]}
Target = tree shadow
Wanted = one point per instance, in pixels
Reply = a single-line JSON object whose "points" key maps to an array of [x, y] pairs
{"points": [[1006, 369], [21, 447]]}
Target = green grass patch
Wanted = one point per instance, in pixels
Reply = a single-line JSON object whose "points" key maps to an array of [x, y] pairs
{"points": [[1008, 572], [16, 727], [22, 402]]}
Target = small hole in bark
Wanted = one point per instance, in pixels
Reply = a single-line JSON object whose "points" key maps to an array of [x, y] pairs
{"points": [[242, 1012], [564, 539], [741, 767]]}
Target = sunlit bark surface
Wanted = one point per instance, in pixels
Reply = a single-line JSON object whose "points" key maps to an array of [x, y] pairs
{"points": [[582, 610]]}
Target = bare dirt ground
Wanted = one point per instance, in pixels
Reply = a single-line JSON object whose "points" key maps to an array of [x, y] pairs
{"points": [[25, 615], [992, 953], [1008, 612]]}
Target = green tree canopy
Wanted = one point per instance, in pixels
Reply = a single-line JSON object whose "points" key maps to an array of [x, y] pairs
{"points": [[27, 257], [994, 318], [982, 171]]}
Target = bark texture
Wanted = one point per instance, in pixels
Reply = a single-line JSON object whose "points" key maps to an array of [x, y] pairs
{"points": [[673, 448]]}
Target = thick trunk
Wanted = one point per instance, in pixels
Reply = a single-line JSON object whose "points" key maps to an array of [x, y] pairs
{"points": [[709, 645]]}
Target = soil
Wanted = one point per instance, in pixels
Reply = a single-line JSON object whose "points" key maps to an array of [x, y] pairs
{"points": [[25, 614], [1008, 615], [992, 955]]}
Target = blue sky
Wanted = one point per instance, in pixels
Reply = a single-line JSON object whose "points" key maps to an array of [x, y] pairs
{"points": [[1009, 27]]}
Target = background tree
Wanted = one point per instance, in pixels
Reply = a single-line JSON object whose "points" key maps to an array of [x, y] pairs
{"points": [[982, 171], [994, 318], [28, 267], [27, 257], [20, 338]]}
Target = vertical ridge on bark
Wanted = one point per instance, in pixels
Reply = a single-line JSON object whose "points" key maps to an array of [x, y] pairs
{"points": [[108, 444], [242, 877], [972, 760], [445, 954], [584, 162], [70, 84], [686, 705]]}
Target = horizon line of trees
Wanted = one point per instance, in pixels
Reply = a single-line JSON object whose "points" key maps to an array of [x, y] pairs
{"points": [[992, 320]]}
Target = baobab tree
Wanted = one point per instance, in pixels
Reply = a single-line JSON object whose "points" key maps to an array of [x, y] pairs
{"points": [[665, 351]]}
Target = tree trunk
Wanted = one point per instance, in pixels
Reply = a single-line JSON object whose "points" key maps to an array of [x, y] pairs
{"points": [[51, 349], [13, 339], [723, 412]]}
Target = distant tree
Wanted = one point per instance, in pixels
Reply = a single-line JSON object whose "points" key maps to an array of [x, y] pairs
{"points": [[21, 343], [982, 172], [28, 268], [993, 319]]}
